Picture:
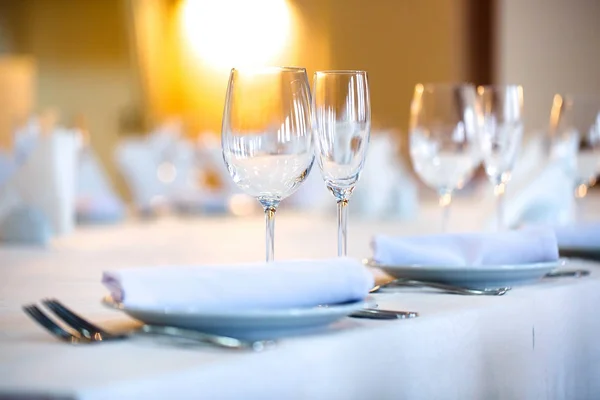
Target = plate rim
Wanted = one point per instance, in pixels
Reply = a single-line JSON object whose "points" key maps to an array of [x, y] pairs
{"points": [[477, 269], [334, 309]]}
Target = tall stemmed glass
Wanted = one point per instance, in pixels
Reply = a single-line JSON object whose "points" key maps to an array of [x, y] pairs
{"points": [[267, 136], [443, 138], [575, 129], [500, 136], [342, 110]]}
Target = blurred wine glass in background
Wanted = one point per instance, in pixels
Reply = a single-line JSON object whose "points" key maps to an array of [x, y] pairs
{"points": [[500, 136], [575, 139], [443, 138]]}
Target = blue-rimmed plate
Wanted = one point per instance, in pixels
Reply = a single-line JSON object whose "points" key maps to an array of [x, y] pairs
{"points": [[243, 324], [489, 276]]}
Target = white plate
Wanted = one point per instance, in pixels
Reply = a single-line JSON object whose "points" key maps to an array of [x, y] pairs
{"points": [[474, 277], [243, 324]]}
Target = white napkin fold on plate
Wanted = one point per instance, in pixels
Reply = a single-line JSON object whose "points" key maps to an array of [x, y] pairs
{"points": [[469, 249], [579, 236], [276, 285]]}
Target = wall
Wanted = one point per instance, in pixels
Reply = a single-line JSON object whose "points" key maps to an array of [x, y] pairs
{"points": [[548, 46], [400, 43], [82, 54]]}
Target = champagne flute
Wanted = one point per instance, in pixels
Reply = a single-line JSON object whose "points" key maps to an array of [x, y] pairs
{"points": [[575, 130], [266, 136], [342, 110], [443, 138], [500, 136]]}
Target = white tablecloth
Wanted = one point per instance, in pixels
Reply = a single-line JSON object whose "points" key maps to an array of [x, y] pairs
{"points": [[537, 342]]}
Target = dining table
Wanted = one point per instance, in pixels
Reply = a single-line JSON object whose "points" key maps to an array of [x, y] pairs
{"points": [[538, 341]]}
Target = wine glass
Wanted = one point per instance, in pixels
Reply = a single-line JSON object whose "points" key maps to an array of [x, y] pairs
{"points": [[267, 136], [500, 136], [575, 132], [342, 111], [443, 138]]}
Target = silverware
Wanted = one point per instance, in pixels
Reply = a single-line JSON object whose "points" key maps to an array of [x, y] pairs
{"points": [[372, 313], [443, 287], [575, 273], [84, 332]]}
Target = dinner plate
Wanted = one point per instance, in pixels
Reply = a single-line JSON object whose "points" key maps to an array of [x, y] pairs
{"points": [[489, 276], [243, 324]]}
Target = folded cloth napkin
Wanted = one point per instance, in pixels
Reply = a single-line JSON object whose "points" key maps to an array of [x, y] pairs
{"points": [[276, 285], [579, 236], [470, 249]]}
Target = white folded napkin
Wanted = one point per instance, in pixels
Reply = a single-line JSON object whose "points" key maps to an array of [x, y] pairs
{"points": [[277, 285], [386, 188], [469, 249], [46, 179], [96, 201], [579, 236]]}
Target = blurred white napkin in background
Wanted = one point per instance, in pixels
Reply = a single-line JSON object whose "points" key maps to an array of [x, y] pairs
{"points": [[385, 188], [7, 167], [469, 249], [164, 169], [25, 139], [276, 285], [579, 236], [46, 178], [540, 191]]}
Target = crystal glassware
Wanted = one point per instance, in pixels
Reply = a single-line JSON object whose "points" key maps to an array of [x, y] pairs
{"points": [[443, 138], [342, 117], [500, 136], [575, 135], [267, 136]]}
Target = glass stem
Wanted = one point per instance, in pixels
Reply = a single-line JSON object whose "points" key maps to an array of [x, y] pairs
{"points": [[445, 200], [342, 215], [499, 191], [270, 232], [580, 193]]}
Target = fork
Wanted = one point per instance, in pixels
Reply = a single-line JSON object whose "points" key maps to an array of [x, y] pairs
{"points": [[86, 332]]}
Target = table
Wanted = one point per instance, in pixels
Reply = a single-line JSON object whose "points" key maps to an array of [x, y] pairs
{"points": [[537, 342]]}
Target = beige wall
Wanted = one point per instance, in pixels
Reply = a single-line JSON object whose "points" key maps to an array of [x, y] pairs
{"points": [[82, 53], [548, 46], [400, 43], [17, 95]]}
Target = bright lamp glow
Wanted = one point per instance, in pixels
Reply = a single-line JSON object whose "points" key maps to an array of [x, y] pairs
{"points": [[234, 33]]}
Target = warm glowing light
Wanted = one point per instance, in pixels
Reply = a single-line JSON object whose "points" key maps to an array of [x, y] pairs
{"points": [[581, 191], [233, 33], [557, 103], [445, 200], [499, 189], [242, 204]]}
